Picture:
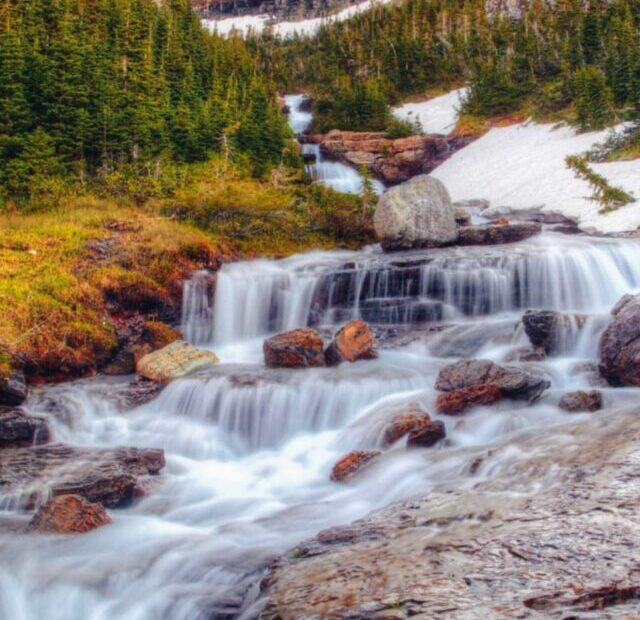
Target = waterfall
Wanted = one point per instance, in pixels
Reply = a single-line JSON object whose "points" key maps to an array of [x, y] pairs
{"points": [[552, 271]]}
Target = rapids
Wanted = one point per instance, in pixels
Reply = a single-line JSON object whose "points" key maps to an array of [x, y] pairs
{"points": [[249, 450]]}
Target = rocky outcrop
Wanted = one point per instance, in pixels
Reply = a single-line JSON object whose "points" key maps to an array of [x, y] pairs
{"points": [[19, 429], [493, 234], [111, 476], [173, 361], [409, 419], [298, 348], [581, 401], [279, 9], [416, 214], [353, 342], [353, 463], [560, 547], [619, 347], [393, 161], [514, 382], [427, 434], [13, 389], [547, 328], [457, 401], [69, 514]]}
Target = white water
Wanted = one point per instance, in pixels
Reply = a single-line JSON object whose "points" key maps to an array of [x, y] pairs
{"points": [[334, 174]]}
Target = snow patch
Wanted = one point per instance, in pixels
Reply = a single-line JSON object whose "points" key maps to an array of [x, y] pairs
{"points": [[285, 29], [523, 167], [437, 116]]}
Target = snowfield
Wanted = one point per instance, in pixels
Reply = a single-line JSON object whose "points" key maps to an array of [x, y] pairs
{"points": [[437, 116], [257, 23], [523, 167]]}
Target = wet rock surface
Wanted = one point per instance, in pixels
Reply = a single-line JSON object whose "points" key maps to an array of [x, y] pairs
{"points": [[457, 401], [18, 428], [493, 234], [173, 361], [299, 348], [354, 341], [514, 382], [352, 464], [581, 401], [619, 348], [547, 329], [69, 514], [488, 552], [13, 389], [427, 434], [408, 419], [111, 476]]}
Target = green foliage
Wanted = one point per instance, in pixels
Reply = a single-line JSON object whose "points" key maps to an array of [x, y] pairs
{"points": [[90, 87], [611, 198], [593, 98]]}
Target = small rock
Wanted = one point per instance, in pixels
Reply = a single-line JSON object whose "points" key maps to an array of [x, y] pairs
{"points": [[526, 354], [69, 514], [13, 389], [501, 221], [455, 402], [411, 418], [494, 234], [427, 435], [514, 382], [549, 329], [19, 429], [351, 464], [353, 342], [173, 361], [299, 348], [581, 401], [463, 217]]}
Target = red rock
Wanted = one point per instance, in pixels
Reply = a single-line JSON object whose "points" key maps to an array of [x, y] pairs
{"points": [[69, 514], [351, 464], [427, 435], [410, 419], [353, 342], [298, 348], [501, 221], [581, 401], [452, 403]]}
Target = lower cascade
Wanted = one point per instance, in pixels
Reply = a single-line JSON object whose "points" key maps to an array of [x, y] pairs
{"points": [[250, 450]]}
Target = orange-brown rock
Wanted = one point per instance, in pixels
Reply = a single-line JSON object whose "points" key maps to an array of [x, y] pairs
{"points": [[299, 348], [353, 342], [453, 403], [351, 464], [427, 435], [581, 401], [411, 418], [69, 514]]}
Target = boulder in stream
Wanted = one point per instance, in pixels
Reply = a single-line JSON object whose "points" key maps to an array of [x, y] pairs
{"points": [[298, 348], [619, 348], [427, 434], [19, 429], [415, 214], [514, 382], [494, 234], [13, 389], [408, 419], [173, 361], [457, 401], [111, 476], [548, 329], [69, 514], [354, 341], [353, 463], [581, 401]]}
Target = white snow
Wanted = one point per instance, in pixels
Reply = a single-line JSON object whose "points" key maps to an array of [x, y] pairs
{"points": [[257, 23], [437, 116], [523, 167]]}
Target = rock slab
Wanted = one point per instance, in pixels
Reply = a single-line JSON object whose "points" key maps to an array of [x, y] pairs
{"points": [[18, 429], [173, 361], [298, 348], [416, 214]]}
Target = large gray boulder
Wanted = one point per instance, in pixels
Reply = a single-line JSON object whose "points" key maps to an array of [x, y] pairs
{"points": [[416, 214]]}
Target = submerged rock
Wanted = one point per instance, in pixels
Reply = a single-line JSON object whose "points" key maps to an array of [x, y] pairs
{"points": [[353, 463], [13, 389], [408, 419], [457, 401], [112, 476], [173, 361], [494, 234], [513, 381], [416, 214], [619, 348], [427, 434], [581, 401], [69, 514], [548, 329], [19, 429], [353, 342], [299, 348]]}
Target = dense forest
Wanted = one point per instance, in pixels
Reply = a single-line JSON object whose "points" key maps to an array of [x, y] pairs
{"points": [[557, 56], [92, 88]]}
